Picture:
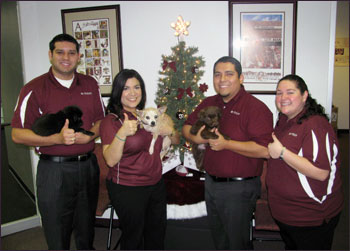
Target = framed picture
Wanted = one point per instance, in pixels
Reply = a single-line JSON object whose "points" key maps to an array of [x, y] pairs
{"points": [[97, 30], [262, 38]]}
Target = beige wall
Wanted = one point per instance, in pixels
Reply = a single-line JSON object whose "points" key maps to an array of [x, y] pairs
{"points": [[341, 74]]}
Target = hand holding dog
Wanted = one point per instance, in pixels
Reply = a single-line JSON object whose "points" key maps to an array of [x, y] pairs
{"points": [[129, 127], [219, 143], [198, 139], [81, 138]]}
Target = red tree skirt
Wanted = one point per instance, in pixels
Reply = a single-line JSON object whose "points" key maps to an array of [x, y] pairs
{"points": [[185, 195]]}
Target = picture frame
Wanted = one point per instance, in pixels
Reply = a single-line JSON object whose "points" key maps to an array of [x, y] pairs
{"points": [[98, 31], [262, 37]]}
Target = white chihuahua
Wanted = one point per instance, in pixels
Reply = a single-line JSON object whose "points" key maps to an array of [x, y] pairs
{"points": [[156, 120]]}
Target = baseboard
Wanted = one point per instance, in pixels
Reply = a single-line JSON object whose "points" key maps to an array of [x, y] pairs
{"points": [[20, 225], [342, 131]]}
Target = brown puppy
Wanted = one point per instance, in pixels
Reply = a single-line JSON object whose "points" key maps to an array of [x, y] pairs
{"points": [[210, 117]]}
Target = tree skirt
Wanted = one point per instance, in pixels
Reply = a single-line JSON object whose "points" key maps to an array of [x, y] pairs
{"points": [[185, 195]]}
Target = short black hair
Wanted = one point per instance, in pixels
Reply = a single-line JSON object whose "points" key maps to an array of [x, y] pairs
{"points": [[232, 60], [61, 38]]}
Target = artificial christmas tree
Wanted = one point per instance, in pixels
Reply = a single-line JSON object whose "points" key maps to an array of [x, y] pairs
{"points": [[179, 87]]}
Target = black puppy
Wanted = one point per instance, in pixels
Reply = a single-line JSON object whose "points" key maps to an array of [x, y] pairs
{"points": [[49, 124], [210, 117]]}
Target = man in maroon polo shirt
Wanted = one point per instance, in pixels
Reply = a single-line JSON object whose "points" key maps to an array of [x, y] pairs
{"points": [[68, 173], [233, 167]]}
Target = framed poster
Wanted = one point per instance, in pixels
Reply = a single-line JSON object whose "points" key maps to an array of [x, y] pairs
{"points": [[262, 38], [341, 57], [97, 30]]}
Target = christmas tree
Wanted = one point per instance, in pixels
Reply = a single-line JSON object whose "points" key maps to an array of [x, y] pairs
{"points": [[178, 86]]}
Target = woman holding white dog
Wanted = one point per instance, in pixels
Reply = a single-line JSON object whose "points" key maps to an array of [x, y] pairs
{"points": [[134, 181], [303, 175]]}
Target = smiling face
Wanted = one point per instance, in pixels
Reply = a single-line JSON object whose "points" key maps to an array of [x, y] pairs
{"points": [[64, 60], [131, 95], [227, 83], [289, 99]]}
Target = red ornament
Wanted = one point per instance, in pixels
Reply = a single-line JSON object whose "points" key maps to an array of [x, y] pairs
{"points": [[172, 65], [203, 87]]}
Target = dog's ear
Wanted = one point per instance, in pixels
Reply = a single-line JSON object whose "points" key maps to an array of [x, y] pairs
{"points": [[218, 111], [201, 114], [162, 109], [139, 112]]}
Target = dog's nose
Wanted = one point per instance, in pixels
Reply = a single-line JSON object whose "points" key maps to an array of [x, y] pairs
{"points": [[153, 123]]}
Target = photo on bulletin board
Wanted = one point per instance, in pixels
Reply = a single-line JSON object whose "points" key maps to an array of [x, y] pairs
{"points": [[262, 38], [97, 30]]}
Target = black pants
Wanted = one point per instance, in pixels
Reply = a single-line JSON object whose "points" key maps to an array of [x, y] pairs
{"points": [[67, 199], [230, 207], [309, 238], [142, 214]]}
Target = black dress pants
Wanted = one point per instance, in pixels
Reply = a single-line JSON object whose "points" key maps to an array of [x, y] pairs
{"points": [[142, 215], [67, 199], [309, 238], [230, 207]]}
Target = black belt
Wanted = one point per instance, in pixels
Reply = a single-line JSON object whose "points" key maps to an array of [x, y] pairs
{"points": [[222, 179], [60, 159]]}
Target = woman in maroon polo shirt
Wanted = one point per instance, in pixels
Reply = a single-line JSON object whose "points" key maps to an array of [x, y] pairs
{"points": [[303, 177], [134, 181]]}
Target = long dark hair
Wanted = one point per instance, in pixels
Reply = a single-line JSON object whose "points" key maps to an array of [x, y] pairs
{"points": [[311, 105], [114, 104]]}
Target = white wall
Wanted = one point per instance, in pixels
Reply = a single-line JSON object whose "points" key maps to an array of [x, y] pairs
{"points": [[146, 35], [315, 48]]}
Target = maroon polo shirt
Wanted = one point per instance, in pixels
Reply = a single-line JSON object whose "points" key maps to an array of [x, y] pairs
{"points": [[136, 167], [45, 94], [294, 198], [244, 118]]}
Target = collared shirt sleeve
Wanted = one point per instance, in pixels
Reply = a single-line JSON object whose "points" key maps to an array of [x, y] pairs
{"points": [[259, 124], [27, 109], [320, 144]]}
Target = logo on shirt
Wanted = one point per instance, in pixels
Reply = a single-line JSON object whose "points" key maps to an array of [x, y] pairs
{"points": [[293, 134], [235, 113], [86, 93]]}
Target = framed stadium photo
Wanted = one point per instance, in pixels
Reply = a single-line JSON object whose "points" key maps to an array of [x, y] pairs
{"points": [[262, 38]]}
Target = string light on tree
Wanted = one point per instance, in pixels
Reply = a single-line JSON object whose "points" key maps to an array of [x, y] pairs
{"points": [[178, 86]]}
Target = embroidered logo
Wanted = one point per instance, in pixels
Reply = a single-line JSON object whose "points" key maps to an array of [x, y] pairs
{"points": [[235, 113], [86, 93], [293, 134]]}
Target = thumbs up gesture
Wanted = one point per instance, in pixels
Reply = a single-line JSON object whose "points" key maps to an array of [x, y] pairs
{"points": [[67, 134], [275, 147], [128, 128]]}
